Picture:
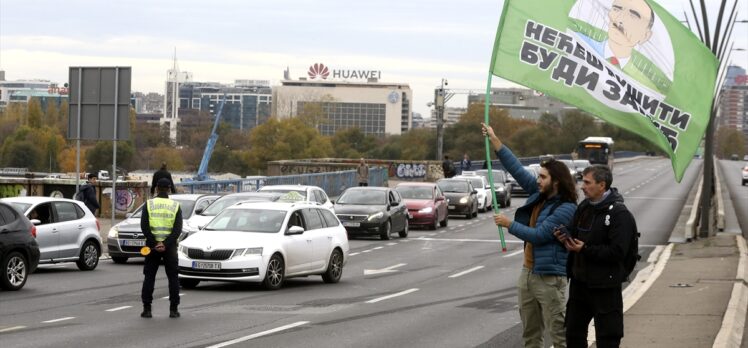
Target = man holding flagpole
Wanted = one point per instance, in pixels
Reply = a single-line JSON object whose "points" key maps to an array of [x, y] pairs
{"points": [[542, 282]]}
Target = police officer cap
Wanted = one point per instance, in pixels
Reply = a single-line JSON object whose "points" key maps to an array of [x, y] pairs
{"points": [[163, 182]]}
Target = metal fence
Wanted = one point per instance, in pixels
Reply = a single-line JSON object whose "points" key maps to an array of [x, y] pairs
{"points": [[333, 183]]}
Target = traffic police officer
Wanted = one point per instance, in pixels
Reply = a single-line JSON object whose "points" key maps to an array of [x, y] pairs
{"points": [[161, 222]]}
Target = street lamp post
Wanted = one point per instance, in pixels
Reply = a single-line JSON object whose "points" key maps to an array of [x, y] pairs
{"points": [[440, 98]]}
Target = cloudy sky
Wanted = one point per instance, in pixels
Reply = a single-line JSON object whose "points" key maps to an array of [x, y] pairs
{"points": [[416, 42]]}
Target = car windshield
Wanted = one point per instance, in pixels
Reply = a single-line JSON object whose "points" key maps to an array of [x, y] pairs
{"points": [[248, 220], [226, 201], [416, 192], [582, 163], [459, 186], [20, 207], [363, 197], [186, 206], [477, 182], [300, 192]]}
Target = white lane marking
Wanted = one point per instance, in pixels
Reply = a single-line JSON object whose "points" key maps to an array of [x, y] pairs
{"points": [[391, 244], [167, 297], [259, 334], [656, 198], [353, 254], [468, 240], [56, 320], [12, 328], [431, 234], [392, 296], [118, 308], [367, 251], [519, 251], [466, 272], [389, 269], [377, 248]]}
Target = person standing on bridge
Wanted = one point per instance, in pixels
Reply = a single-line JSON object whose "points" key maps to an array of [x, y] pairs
{"points": [[161, 223], [465, 164], [542, 281], [88, 193], [162, 174], [362, 172], [601, 235]]}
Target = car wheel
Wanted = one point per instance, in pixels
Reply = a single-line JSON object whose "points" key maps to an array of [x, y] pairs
{"points": [[189, 283], [119, 259], [334, 268], [433, 225], [509, 202], [274, 273], [385, 230], [404, 232], [475, 212], [15, 271], [444, 222], [89, 257]]}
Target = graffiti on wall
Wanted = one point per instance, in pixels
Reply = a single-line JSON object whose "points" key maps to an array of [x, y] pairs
{"points": [[411, 170], [126, 199], [12, 190]]}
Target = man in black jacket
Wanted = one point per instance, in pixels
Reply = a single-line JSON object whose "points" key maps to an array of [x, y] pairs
{"points": [[88, 193], [162, 174], [602, 231]]}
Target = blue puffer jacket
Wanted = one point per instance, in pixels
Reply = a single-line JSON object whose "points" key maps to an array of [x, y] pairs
{"points": [[549, 255]]}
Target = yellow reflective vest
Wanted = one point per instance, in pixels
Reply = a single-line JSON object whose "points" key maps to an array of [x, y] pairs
{"points": [[161, 215]]}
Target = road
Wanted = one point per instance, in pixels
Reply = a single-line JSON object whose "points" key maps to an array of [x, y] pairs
{"points": [[731, 172], [446, 288]]}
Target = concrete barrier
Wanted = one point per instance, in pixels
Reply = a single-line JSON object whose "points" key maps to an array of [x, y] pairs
{"points": [[691, 223], [718, 195]]}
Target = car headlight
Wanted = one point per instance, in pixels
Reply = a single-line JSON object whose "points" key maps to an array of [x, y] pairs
{"points": [[378, 215], [464, 200], [500, 188], [426, 210], [247, 251], [182, 250], [114, 232]]}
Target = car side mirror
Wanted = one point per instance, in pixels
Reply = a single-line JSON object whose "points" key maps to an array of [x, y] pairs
{"points": [[332, 201], [128, 215], [394, 204], [36, 222], [295, 230], [475, 192], [199, 210], [440, 198]]}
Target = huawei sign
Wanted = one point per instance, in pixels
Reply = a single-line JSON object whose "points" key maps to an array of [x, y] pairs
{"points": [[318, 70]]}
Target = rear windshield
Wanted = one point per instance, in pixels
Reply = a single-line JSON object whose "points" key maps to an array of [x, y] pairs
{"points": [[226, 201], [453, 186], [20, 207], [186, 206]]}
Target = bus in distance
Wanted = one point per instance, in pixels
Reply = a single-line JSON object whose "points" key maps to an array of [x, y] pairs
{"points": [[597, 150]]}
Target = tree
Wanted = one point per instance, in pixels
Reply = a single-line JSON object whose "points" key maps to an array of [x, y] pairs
{"points": [[100, 156], [730, 141], [352, 143], [285, 139], [21, 154], [164, 153]]}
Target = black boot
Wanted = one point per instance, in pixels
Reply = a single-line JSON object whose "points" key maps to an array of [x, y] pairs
{"points": [[146, 311], [173, 312]]}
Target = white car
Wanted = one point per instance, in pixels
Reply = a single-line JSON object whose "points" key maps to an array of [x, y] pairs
{"points": [[265, 242], [485, 200], [309, 193], [65, 230], [203, 216]]}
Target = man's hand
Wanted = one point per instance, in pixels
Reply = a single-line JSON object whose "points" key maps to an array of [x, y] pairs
{"points": [[560, 236], [573, 244], [502, 220], [488, 132], [160, 247]]}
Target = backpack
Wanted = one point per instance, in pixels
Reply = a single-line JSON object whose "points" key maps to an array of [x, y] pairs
{"points": [[81, 195], [451, 168], [632, 255]]}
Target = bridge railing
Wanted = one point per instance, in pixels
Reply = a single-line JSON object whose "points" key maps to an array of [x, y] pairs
{"points": [[333, 183]]}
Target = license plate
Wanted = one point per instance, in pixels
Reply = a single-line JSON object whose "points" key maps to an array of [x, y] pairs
{"points": [[451, 207], [133, 242], [206, 265], [351, 224]]}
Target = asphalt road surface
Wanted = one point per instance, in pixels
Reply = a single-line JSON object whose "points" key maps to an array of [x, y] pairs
{"points": [[452, 287]]}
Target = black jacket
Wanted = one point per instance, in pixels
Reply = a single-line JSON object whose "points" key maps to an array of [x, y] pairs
{"points": [[150, 239], [607, 230], [160, 174], [89, 197]]}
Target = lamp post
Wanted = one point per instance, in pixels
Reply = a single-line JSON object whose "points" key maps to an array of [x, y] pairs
{"points": [[440, 98]]}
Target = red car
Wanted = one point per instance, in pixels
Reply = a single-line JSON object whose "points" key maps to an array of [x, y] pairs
{"points": [[426, 204]]}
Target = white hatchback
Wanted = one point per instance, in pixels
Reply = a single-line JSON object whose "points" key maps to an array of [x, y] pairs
{"points": [[265, 242], [307, 192], [485, 199]]}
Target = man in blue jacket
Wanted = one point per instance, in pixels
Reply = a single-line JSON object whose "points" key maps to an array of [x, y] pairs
{"points": [[542, 282]]}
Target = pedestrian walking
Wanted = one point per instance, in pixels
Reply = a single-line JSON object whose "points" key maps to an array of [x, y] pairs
{"points": [[542, 281], [87, 193], [465, 164], [162, 173], [448, 168], [362, 172], [161, 223], [600, 236]]}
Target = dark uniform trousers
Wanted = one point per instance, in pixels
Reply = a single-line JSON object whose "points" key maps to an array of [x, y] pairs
{"points": [[604, 305], [150, 268]]}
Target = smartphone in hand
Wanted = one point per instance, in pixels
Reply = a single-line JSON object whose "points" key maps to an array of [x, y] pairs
{"points": [[565, 231]]}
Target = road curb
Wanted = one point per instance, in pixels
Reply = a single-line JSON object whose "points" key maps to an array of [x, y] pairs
{"points": [[731, 332]]}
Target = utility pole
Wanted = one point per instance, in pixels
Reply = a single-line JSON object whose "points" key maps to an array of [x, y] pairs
{"points": [[440, 98]]}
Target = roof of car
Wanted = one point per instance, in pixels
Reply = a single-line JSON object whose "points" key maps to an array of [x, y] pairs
{"points": [[273, 205], [430, 184], [287, 187], [35, 199], [190, 196], [253, 194], [369, 188]]}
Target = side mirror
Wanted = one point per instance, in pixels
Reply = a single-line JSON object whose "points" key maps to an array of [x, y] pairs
{"points": [[128, 215], [295, 230], [199, 210], [475, 192], [394, 204], [36, 222], [440, 198], [332, 201]]}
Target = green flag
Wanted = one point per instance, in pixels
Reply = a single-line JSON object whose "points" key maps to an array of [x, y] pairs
{"points": [[628, 62]]}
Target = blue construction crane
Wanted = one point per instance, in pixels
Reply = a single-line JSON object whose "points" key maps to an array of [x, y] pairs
{"points": [[202, 171]]}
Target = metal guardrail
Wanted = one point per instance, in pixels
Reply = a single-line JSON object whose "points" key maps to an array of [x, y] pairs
{"points": [[333, 183]]}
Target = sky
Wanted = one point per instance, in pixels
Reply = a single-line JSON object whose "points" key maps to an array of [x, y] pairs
{"points": [[416, 42]]}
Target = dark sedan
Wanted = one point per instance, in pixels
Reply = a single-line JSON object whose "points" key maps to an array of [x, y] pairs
{"points": [[372, 211], [462, 198], [426, 203], [19, 251]]}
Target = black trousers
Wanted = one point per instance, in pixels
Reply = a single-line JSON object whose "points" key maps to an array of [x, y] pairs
{"points": [[171, 263], [605, 306], [363, 184]]}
